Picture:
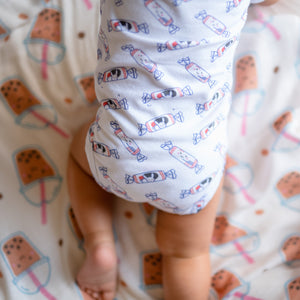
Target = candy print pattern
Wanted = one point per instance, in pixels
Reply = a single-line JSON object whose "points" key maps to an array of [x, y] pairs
{"points": [[161, 15], [182, 156], [115, 74], [157, 201], [44, 43], [29, 268], [230, 5], [119, 25], [143, 60], [199, 187], [128, 142], [222, 49], [160, 122], [28, 111], [212, 23], [167, 94], [150, 176], [39, 179], [114, 104], [287, 130], [196, 71], [103, 43], [288, 190], [176, 45], [201, 108]]}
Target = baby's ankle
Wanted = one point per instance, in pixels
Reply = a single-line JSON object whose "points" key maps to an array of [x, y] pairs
{"points": [[95, 240]]}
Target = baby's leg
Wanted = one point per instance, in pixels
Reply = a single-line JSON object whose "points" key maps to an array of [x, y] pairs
{"points": [[184, 243], [93, 210]]}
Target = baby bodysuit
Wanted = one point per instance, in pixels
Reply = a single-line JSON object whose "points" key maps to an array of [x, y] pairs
{"points": [[163, 81]]}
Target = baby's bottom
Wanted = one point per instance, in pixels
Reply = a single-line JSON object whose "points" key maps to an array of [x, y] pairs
{"points": [[183, 240]]}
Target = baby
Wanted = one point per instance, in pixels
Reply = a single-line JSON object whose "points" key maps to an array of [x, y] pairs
{"points": [[163, 81]]}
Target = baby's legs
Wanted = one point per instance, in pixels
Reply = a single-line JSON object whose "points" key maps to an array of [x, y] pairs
{"points": [[184, 243], [93, 210]]}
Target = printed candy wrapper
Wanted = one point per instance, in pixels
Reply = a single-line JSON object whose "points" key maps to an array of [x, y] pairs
{"points": [[161, 203], [176, 45], [29, 268], [44, 42], [39, 179], [119, 25], [150, 176]]}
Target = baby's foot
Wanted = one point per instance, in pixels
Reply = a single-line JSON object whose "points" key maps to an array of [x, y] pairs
{"points": [[98, 274]]}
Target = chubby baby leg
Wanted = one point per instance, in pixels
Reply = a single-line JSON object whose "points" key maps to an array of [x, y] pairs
{"points": [[184, 242], [93, 210]]}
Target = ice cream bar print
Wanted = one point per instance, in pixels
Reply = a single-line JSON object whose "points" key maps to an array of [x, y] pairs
{"points": [[44, 43], [27, 110], [29, 268], [38, 177]]}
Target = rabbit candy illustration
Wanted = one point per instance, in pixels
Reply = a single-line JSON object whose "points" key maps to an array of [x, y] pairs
{"points": [[290, 250], [115, 74], [224, 284], [119, 25], [238, 177], [29, 268], [288, 190], [150, 176], [292, 289], [85, 84], [160, 122], [176, 45], [44, 43], [212, 23], [27, 109], [128, 142], [215, 99], [143, 60], [230, 238], [112, 103], [39, 179], [287, 127], [167, 94], [196, 71], [183, 157], [222, 49], [248, 97], [161, 15]]}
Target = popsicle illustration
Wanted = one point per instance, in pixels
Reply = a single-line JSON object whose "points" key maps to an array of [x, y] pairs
{"points": [[26, 108], [38, 177], [238, 177], [262, 22], [151, 269], [44, 43], [292, 288], [85, 84], [230, 239], [4, 31], [288, 190], [88, 4], [247, 97], [287, 129], [224, 283], [29, 268], [290, 249]]}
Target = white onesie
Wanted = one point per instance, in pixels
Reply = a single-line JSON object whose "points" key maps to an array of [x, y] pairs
{"points": [[163, 81]]}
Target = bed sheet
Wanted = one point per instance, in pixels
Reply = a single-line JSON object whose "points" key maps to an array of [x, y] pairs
{"points": [[48, 53]]}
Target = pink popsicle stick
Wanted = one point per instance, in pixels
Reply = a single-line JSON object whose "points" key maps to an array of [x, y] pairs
{"points": [[245, 297], [243, 190], [44, 60], [43, 202], [88, 4], [241, 250], [53, 126], [38, 284], [261, 20], [244, 120], [290, 137]]}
